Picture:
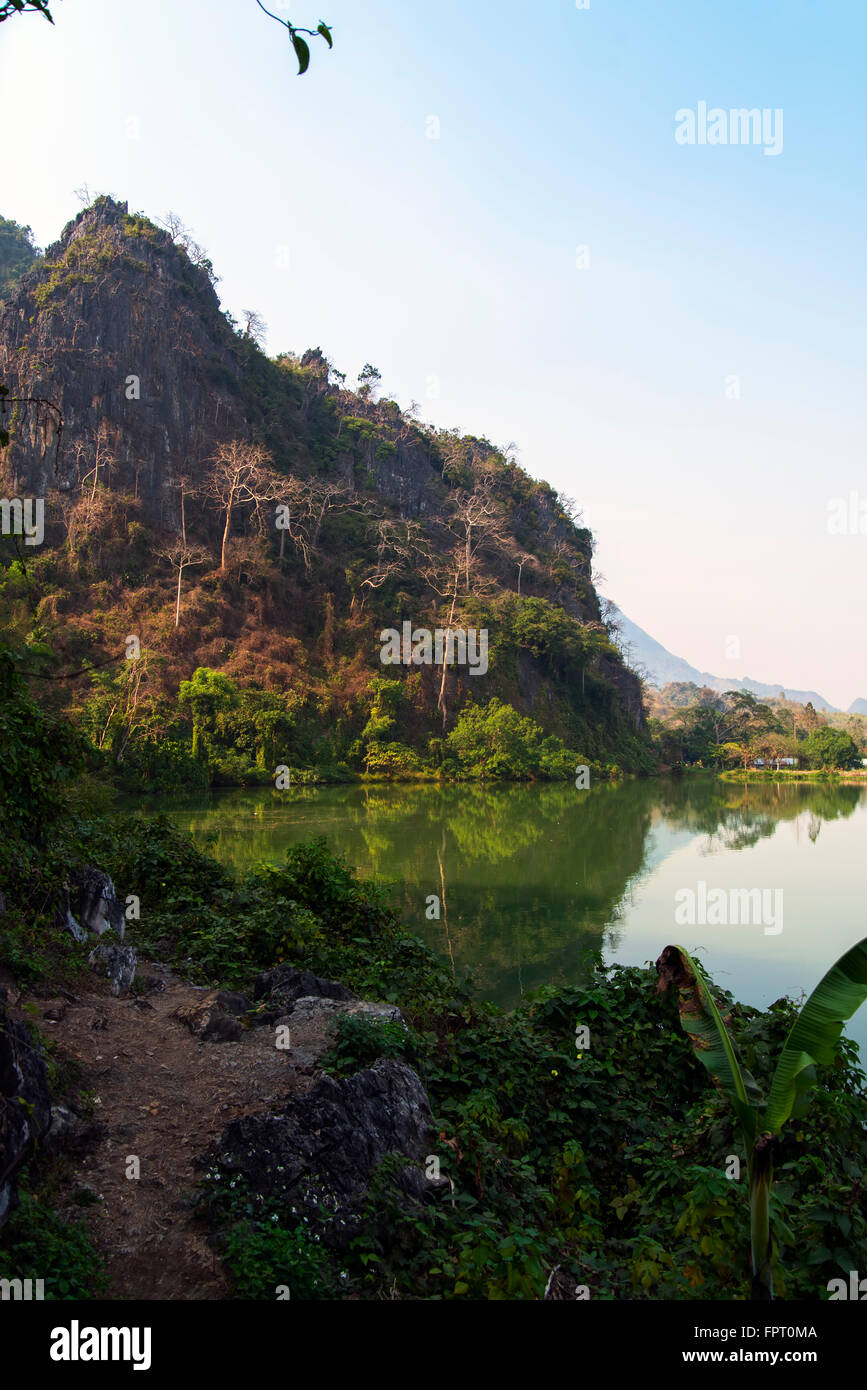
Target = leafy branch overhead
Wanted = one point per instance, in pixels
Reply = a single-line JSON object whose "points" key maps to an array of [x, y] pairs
{"points": [[302, 48], [8, 8]]}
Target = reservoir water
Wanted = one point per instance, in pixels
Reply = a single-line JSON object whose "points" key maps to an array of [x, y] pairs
{"points": [[527, 878]]}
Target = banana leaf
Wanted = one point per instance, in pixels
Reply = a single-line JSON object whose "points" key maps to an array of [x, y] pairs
{"points": [[713, 1045], [815, 1033]]}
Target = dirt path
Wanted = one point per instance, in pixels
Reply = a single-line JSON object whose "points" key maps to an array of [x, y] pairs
{"points": [[161, 1095]]}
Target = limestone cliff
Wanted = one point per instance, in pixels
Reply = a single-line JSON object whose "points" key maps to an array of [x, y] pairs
{"points": [[118, 331]]}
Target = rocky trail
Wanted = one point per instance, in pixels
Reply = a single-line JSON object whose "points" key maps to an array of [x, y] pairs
{"points": [[161, 1093]]}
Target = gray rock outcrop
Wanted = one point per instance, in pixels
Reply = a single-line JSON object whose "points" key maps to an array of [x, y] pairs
{"points": [[319, 1153], [25, 1103]]}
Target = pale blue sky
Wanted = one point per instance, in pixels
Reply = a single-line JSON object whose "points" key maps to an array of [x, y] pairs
{"points": [[455, 258]]}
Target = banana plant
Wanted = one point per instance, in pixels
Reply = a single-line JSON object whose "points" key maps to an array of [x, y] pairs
{"points": [[811, 1042]]}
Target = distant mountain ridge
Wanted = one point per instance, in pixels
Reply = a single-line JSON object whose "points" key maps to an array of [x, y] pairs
{"points": [[663, 666]]}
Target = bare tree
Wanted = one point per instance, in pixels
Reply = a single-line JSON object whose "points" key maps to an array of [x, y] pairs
{"points": [[304, 505], [255, 326], [570, 507], [240, 475], [520, 559], [442, 573], [476, 525], [248, 557], [176, 228], [478, 519], [186, 488], [96, 450], [81, 517], [398, 548], [182, 236], [181, 555], [84, 512]]}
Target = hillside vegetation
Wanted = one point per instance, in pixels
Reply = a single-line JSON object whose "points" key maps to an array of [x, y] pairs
{"points": [[227, 535], [568, 1171]]}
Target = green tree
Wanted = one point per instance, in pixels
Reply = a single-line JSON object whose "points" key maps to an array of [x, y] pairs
{"points": [[208, 694], [388, 696], [494, 740], [368, 380], [17, 253], [832, 748], [260, 724], [40, 753]]}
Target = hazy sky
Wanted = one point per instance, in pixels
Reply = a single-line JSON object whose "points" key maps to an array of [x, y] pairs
{"points": [[694, 377]]}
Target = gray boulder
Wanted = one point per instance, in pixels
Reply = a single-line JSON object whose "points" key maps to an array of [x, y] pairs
{"points": [[95, 898], [318, 1154], [278, 989], [25, 1103], [118, 963], [311, 1023]]}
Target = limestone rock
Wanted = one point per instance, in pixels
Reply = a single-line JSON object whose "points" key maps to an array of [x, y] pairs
{"points": [[95, 899], [210, 1021], [25, 1103], [311, 1021], [69, 1133], [280, 988], [234, 1003], [318, 1154], [118, 963]]}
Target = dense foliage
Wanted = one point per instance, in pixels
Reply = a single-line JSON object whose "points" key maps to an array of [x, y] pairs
{"points": [[602, 1164], [696, 725], [608, 1165], [17, 254]]}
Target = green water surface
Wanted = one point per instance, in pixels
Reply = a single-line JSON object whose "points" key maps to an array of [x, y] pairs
{"points": [[529, 877]]}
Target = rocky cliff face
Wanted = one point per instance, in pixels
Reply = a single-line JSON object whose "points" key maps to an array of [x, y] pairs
{"points": [[124, 334], [119, 330], [119, 333]]}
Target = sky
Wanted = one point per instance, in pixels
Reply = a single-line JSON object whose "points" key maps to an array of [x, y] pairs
{"points": [[497, 205]]}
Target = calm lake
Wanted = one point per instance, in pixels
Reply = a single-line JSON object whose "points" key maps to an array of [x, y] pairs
{"points": [[529, 877]]}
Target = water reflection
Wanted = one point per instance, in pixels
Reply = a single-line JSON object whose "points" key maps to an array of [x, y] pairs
{"points": [[529, 878]]}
